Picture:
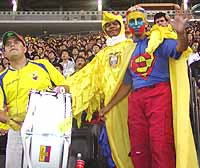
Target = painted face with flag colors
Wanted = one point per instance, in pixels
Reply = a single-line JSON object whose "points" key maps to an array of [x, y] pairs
{"points": [[136, 20]]}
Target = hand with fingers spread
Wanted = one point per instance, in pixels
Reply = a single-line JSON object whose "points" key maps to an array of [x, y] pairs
{"points": [[179, 20], [179, 25]]}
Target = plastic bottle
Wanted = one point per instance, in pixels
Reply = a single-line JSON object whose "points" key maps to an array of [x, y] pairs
{"points": [[79, 162]]}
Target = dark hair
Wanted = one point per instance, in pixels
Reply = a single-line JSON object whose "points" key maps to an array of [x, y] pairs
{"points": [[159, 15], [52, 51], [58, 65], [65, 50], [80, 57]]}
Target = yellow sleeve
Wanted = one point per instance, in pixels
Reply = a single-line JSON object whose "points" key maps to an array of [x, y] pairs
{"points": [[4, 126], [83, 86]]}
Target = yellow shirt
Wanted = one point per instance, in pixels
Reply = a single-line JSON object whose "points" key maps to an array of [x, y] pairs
{"points": [[16, 85]]}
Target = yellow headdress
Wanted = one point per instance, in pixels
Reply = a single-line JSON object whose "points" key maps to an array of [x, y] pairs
{"points": [[110, 17]]}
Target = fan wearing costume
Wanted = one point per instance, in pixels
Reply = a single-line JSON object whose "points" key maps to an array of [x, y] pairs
{"points": [[151, 83], [98, 81]]}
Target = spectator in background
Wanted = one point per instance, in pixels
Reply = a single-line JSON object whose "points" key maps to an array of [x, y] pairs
{"points": [[194, 62], [98, 41], [75, 53], [30, 49], [80, 62], [190, 38], [89, 54], [82, 53], [160, 19], [53, 57], [67, 63], [197, 33], [195, 54], [40, 52], [36, 57], [59, 67], [46, 57], [95, 49], [104, 45]]}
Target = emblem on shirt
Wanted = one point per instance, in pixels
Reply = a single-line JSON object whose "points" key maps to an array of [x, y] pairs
{"points": [[143, 65], [44, 155], [34, 76], [114, 59]]}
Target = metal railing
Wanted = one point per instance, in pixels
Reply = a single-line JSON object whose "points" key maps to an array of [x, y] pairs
{"points": [[66, 15], [195, 111]]}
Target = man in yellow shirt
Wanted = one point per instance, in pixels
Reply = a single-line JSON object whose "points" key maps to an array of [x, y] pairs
{"points": [[16, 81]]}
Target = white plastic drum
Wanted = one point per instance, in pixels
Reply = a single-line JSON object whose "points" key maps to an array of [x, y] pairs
{"points": [[46, 131]]}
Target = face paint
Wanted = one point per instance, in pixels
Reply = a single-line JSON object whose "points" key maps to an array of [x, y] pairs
{"points": [[136, 21], [137, 26]]}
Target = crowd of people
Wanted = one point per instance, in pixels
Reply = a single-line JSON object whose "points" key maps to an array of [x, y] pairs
{"points": [[68, 52], [63, 51], [136, 66]]}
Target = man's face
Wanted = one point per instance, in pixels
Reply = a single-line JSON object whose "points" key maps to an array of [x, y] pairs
{"points": [[52, 56], [40, 50], [75, 51], [80, 63], [137, 26], [96, 49], [65, 55], [161, 22], [195, 47], [14, 49], [112, 28], [82, 54]]}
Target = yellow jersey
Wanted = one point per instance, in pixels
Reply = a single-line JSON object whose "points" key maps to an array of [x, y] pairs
{"points": [[16, 85]]}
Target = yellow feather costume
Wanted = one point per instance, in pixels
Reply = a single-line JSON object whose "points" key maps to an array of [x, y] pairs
{"points": [[99, 80]]}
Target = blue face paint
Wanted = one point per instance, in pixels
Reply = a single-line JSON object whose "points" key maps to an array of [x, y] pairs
{"points": [[136, 24]]}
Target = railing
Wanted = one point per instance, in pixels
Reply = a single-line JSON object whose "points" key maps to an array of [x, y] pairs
{"points": [[66, 15], [195, 110]]}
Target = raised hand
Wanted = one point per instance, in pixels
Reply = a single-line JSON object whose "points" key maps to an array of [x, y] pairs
{"points": [[180, 20]]}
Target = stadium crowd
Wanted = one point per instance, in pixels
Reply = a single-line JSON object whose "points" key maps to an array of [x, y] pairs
{"points": [[71, 52]]}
